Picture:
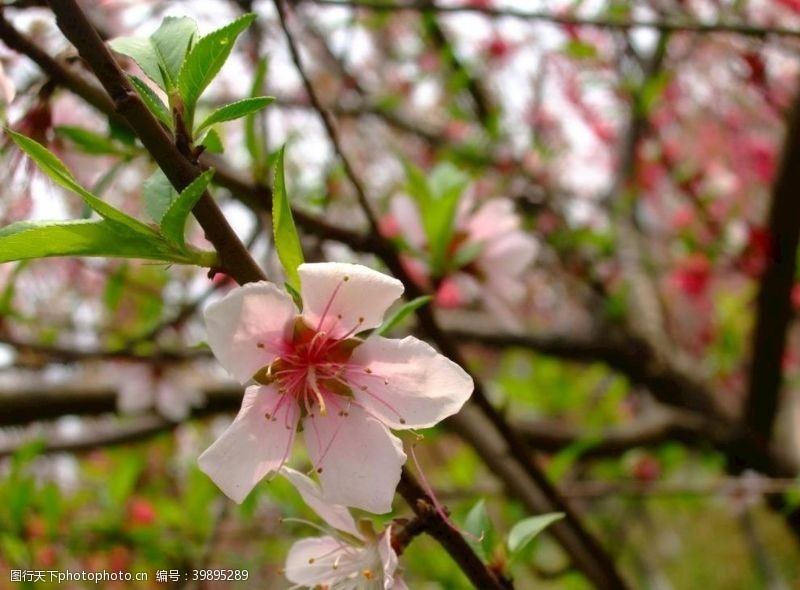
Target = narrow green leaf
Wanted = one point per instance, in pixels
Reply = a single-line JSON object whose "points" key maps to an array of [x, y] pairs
{"points": [[236, 110], [80, 237], [60, 174], [526, 530], [254, 139], [287, 243], [206, 59], [173, 223], [466, 254], [404, 311], [90, 142], [158, 195], [152, 101]]}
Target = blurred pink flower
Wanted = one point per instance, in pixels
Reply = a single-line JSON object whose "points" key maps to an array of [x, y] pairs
{"points": [[359, 559], [311, 368], [502, 252]]}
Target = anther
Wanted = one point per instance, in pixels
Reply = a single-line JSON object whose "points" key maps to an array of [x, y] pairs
{"points": [[368, 371], [346, 278], [260, 345], [319, 469], [402, 421]]}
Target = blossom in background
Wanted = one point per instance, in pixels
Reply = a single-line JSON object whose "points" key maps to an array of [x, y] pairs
{"points": [[359, 559], [7, 89], [311, 368], [170, 390], [489, 253]]}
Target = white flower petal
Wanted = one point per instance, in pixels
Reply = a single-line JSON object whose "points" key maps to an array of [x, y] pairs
{"points": [[311, 561], [345, 298], [388, 560], [253, 445], [357, 458], [336, 515], [246, 327], [410, 384]]}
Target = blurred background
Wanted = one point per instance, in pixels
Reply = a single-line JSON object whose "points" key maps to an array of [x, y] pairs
{"points": [[621, 274]]}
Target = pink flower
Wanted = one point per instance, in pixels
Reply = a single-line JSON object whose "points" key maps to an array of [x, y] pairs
{"points": [[311, 368], [502, 251], [359, 559]]}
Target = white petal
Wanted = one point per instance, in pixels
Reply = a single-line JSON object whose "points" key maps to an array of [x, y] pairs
{"points": [[388, 559], [345, 298], [357, 458], [311, 561], [246, 327], [336, 515], [253, 445], [411, 385]]}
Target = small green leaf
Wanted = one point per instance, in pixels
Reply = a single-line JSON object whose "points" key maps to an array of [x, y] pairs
{"points": [[236, 110], [158, 195], [152, 101], [254, 139], [398, 316], [526, 530], [206, 59], [60, 174], [213, 142], [161, 55], [173, 223], [80, 237], [90, 142], [580, 50], [287, 243], [481, 533]]}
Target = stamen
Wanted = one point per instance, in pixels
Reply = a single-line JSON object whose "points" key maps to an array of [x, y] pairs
{"points": [[312, 382]]}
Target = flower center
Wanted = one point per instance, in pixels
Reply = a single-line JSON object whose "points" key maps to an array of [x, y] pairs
{"points": [[311, 370]]}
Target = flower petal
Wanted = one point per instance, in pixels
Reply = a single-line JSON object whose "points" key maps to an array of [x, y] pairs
{"points": [[311, 561], [253, 445], [388, 560], [337, 516], [357, 458], [246, 327], [408, 384], [345, 298]]}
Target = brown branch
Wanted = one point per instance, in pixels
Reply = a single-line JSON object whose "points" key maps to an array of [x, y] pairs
{"points": [[447, 536], [743, 29], [774, 305], [234, 257]]}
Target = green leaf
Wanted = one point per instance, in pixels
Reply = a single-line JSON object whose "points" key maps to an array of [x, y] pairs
{"points": [[60, 174], [206, 59], [253, 138], [173, 223], [580, 49], [161, 55], [90, 142], [287, 243], [80, 237], [526, 530], [141, 51], [171, 42], [236, 110], [481, 533], [152, 101], [398, 316], [212, 142], [158, 195]]}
